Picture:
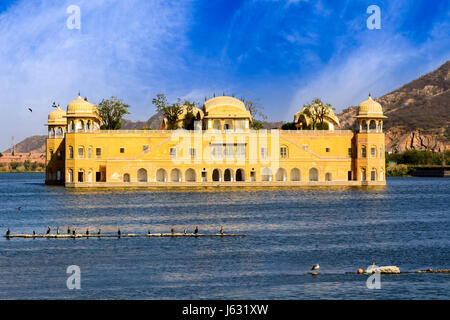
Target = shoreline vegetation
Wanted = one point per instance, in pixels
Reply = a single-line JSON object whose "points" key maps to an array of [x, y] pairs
{"points": [[405, 164]]}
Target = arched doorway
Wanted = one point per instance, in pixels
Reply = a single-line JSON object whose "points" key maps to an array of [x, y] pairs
{"points": [[228, 175], [175, 175], [190, 175], [313, 174], [295, 175], [217, 175], [280, 175], [126, 177], [240, 175], [266, 174], [161, 175], [328, 176], [142, 175]]}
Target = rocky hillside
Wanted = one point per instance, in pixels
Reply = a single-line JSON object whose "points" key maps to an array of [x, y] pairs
{"points": [[30, 144], [418, 113], [154, 122]]}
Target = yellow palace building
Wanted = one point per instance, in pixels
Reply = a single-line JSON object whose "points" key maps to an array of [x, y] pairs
{"points": [[222, 150]]}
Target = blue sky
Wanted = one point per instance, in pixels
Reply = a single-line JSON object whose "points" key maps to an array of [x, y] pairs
{"points": [[283, 53]]}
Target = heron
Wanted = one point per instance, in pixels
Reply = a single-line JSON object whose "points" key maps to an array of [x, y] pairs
{"points": [[315, 267], [185, 231], [221, 230]]}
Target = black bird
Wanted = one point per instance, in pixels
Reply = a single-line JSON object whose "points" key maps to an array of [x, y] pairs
{"points": [[196, 230], [31, 110], [48, 230], [57, 230], [68, 230], [99, 231], [118, 232], [87, 231], [54, 104], [148, 232], [73, 232], [18, 208], [172, 230], [8, 232], [34, 233], [185, 231], [221, 230]]}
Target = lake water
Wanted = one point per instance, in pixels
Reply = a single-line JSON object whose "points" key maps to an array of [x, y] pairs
{"points": [[406, 223]]}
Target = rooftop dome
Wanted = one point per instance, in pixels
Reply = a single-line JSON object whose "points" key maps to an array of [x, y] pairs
{"points": [[80, 106], [57, 117], [225, 107], [370, 108]]}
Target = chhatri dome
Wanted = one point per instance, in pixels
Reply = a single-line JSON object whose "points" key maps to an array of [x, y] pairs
{"points": [[57, 117], [80, 107], [226, 107], [370, 108]]}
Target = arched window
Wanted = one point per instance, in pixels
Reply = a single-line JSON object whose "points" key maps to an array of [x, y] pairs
{"points": [[363, 174], [328, 176], [295, 175], [266, 174], [373, 125], [228, 125], [161, 175], [240, 175], [81, 152], [313, 174], [90, 153], [280, 175], [373, 152], [217, 175], [175, 175], [373, 175], [70, 175], [228, 175], [381, 175], [363, 152], [126, 177], [70, 152], [81, 175], [190, 175], [90, 176], [142, 175]]}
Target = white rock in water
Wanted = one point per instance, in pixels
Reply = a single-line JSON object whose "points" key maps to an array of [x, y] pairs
{"points": [[384, 269]]}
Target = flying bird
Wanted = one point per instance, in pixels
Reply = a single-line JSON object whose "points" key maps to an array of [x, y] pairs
{"points": [[31, 110], [18, 208], [315, 267]]}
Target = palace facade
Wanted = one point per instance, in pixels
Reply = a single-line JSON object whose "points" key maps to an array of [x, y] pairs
{"points": [[222, 149]]}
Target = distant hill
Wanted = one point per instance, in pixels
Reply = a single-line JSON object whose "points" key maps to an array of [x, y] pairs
{"points": [[153, 122], [30, 144], [418, 113]]}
